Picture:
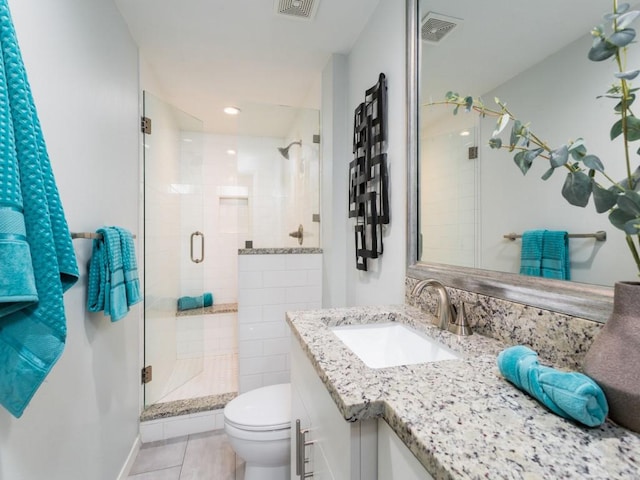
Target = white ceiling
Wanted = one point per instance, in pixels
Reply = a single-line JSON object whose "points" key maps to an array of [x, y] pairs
{"points": [[207, 54]]}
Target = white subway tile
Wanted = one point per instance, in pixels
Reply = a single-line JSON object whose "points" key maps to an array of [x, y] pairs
{"points": [[285, 278], [314, 277], [304, 294], [249, 263], [249, 382], [250, 279], [250, 348], [247, 314], [275, 346], [189, 425], [276, 378], [304, 262]]}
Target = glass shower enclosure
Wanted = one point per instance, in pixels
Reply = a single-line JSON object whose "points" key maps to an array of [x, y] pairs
{"points": [[173, 245]]}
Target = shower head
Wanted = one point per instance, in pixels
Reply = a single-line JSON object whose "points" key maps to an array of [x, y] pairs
{"points": [[284, 151]]}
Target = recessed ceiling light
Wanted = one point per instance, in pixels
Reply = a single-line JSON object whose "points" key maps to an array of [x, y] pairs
{"points": [[231, 110], [231, 152], [465, 133]]}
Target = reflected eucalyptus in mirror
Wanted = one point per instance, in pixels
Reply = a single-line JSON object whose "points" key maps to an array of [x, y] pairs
{"points": [[465, 62], [585, 171]]}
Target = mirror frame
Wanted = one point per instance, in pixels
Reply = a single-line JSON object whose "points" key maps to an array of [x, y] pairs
{"points": [[581, 300]]}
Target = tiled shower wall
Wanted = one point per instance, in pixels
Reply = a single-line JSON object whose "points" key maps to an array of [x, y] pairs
{"points": [[269, 286]]}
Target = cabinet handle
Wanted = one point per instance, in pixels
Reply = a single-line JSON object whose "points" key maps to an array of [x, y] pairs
{"points": [[301, 444], [201, 235]]}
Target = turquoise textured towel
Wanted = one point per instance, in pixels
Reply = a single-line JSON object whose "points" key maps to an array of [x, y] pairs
{"points": [[568, 394], [190, 303], [531, 253], [113, 275], [37, 259], [555, 255]]}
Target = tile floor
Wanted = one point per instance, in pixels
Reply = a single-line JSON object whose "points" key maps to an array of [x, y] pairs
{"points": [[203, 456]]}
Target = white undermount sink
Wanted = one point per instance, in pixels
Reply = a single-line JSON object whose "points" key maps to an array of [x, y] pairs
{"points": [[381, 345]]}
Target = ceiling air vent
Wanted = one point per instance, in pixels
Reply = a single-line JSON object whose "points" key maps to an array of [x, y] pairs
{"points": [[300, 9], [436, 27]]}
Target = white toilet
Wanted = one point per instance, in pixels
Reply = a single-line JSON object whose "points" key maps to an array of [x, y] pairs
{"points": [[258, 424]]}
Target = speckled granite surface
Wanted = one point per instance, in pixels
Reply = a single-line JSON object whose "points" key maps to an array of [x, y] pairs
{"points": [[560, 340], [212, 310], [187, 406], [278, 251], [460, 418]]}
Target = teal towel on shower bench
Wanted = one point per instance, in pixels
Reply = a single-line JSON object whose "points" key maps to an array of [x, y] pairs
{"points": [[37, 260], [568, 394], [189, 303]]}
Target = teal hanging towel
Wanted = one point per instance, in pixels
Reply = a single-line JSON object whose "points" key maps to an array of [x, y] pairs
{"points": [[37, 261]]}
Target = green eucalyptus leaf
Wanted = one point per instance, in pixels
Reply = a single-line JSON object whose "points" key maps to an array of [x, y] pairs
{"points": [[523, 161], [468, 103], [604, 199], [616, 130], [577, 149], [548, 173], [630, 99], [629, 202], [628, 75], [622, 38], [623, 7], [531, 155], [559, 157], [503, 121], [601, 50], [451, 96], [624, 221], [626, 19], [577, 189], [455, 110], [515, 133], [593, 162], [633, 128], [495, 142]]}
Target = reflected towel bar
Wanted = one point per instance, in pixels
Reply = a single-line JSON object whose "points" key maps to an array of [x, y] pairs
{"points": [[88, 235], [600, 236]]}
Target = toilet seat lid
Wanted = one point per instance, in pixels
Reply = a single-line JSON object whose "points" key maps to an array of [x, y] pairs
{"points": [[265, 408]]}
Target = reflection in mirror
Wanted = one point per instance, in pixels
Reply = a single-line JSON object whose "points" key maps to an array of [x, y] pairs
{"points": [[481, 199], [534, 60]]}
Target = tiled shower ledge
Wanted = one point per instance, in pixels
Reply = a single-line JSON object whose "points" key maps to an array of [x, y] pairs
{"points": [[212, 310], [187, 406], [279, 251]]}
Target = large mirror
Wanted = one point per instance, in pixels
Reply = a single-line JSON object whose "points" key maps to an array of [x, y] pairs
{"points": [[467, 196]]}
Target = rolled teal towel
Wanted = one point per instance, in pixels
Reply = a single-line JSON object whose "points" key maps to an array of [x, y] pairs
{"points": [[189, 303], [568, 394]]}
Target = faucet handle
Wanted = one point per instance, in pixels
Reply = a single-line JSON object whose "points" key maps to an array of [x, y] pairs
{"points": [[460, 326]]}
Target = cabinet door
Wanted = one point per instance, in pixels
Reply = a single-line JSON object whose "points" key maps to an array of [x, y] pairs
{"points": [[338, 451], [395, 460]]}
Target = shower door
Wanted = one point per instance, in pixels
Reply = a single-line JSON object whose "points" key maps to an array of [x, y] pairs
{"points": [[173, 248]]}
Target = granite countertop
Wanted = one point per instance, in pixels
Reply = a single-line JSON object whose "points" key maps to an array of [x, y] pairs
{"points": [[460, 418]]}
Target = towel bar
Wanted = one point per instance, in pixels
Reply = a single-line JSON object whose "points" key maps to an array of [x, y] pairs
{"points": [[88, 235], [600, 236]]}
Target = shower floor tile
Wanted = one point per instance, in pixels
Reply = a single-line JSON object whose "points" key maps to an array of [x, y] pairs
{"points": [[219, 375]]}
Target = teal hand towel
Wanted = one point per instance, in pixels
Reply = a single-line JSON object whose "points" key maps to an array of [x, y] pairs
{"points": [[130, 266], [38, 263], [113, 278], [555, 255], [190, 303], [568, 394], [531, 253]]}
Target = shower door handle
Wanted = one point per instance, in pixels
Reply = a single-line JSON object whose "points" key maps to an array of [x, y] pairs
{"points": [[201, 235]]}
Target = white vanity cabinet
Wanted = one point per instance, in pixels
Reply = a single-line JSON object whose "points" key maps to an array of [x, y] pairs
{"points": [[339, 450], [395, 460]]}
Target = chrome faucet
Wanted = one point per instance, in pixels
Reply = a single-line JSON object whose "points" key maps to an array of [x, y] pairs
{"points": [[444, 311], [447, 316]]}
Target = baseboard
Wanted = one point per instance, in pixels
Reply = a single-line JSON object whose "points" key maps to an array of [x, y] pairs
{"points": [[133, 453]]}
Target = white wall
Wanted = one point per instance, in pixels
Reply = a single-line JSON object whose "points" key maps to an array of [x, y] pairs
{"points": [[82, 66], [379, 49]]}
